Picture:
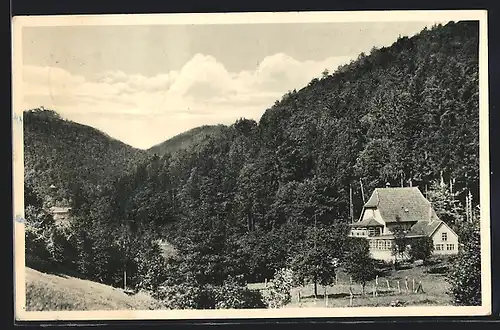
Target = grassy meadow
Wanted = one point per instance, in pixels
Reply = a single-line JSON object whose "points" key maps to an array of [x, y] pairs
{"points": [[51, 292], [435, 291]]}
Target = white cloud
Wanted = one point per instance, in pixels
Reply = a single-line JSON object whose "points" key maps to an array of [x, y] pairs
{"points": [[143, 111]]}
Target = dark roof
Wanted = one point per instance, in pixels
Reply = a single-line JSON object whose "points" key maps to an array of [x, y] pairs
{"points": [[407, 203], [370, 222], [57, 209], [425, 227]]}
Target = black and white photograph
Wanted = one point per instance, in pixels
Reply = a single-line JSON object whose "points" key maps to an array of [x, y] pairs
{"points": [[251, 165]]}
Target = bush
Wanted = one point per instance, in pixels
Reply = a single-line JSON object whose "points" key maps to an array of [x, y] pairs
{"points": [[36, 243], [401, 265], [421, 248], [185, 296], [383, 268], [231, 295], [465, 273], [234, 295], [278, 293], [438, 269]]}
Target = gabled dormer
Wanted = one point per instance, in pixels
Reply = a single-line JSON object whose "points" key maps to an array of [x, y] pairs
{"points": [[389, 207]]}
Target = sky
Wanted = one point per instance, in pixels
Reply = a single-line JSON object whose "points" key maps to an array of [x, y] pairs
{"points": [[145, 84]]}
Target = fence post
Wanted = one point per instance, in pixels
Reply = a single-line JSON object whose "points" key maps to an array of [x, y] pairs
{"points": [[326, 296], [351, 295], [419, 287], [388, 285], [399, 288], [413, 285], [406, 284]]}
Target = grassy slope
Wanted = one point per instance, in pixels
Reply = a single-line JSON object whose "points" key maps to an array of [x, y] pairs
{"points": [[48, 292], [435, 291]]}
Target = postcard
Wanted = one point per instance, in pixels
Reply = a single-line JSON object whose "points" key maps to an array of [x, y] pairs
{"points": [[251, 165]]}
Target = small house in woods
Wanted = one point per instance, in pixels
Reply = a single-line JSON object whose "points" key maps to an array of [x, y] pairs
{"points": [[60, 214], [405, 208]]}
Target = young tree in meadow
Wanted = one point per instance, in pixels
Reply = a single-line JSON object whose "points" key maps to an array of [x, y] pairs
{"points": [[279, 291], [400, 243], [359, 263], [421, 248], [316, 259]]}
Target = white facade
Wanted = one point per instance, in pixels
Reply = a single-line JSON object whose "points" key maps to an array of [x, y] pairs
{"points": [[445, 240]]}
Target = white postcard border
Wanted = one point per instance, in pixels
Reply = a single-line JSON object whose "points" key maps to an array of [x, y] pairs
{"points": [[247, 18]]}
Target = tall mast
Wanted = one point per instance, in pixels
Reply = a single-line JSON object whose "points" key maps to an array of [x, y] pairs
{"points": [[351, 207]]}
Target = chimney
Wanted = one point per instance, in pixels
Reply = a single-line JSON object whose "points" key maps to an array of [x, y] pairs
{"points": [[431, 219]]}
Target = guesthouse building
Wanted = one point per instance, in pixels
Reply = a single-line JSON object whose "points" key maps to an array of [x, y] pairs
{"points": [[405, 208]]}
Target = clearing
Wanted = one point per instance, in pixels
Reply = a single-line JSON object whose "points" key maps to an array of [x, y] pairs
{"points": [[434, 286]]}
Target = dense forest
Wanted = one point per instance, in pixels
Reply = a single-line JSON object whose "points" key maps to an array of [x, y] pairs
{"points": [[68, 155], [244, 202]]}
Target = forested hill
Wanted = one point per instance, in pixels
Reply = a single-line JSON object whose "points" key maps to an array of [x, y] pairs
{"points": [[186, 140], [243, 202], [71, 156], [406, 112]]}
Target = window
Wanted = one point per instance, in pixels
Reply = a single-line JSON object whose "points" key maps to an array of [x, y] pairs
{"points": [[389, 245], [450, 247], [444, 237], [379, 245], [439, 247]]}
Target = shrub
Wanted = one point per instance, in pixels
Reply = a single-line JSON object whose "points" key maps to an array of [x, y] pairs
{"points": [[230, 295], [278, 293], [438, 269], [235, 295], [185, 296], [358, 262], [465, 273], [36, 243], [421, 248]]}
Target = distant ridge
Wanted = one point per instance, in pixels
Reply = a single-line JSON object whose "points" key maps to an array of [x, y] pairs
{"points": [[186, 139]]}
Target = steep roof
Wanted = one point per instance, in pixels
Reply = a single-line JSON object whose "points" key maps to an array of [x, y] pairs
{"points": [[407, 203], [58, 209], [370, 222], [426, 228]]}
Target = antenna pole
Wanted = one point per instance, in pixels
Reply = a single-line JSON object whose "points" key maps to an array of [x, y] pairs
{"points": [[351, 207], [362, 190]]}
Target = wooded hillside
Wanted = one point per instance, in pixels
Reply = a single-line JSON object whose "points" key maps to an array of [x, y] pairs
{"points": [[75, 158]]}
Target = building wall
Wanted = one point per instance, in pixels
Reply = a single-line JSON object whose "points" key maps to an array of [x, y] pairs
{"points": [[445, 241], [375, 213], [368, 213], [381, 249], [385, 255]]}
